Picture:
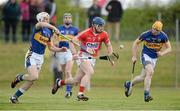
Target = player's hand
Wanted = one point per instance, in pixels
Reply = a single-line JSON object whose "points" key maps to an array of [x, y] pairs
{"points": [[134, 59], [90, 51], [56, 31], [63, 49], [159, 53], [56, 37], [75, 56]]}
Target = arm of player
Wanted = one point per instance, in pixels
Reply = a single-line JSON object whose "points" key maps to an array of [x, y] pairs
{"points": [[109, 48], [134, 49], [73, 51], [110, 51], [53, 48], [167, 50], [45, 24]]}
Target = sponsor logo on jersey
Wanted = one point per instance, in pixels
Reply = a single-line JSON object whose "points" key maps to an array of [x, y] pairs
{"points": [[41, 39], [93, 45], [151, 45]]}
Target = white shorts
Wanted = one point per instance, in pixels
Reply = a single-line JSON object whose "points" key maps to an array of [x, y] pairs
{"points": [[145, 59], [33, 58], [64, 57], [84, 54]]}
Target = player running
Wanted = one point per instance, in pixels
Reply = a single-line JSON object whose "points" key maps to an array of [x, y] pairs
{"points": [[154, 40], [41, 38], [91, 38], [65, 59]]}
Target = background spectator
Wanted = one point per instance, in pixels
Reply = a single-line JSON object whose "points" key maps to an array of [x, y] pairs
{"points": [[115, 12], [34, 10], [50, 7], [94, 11], [11, 13], [25, 18]]}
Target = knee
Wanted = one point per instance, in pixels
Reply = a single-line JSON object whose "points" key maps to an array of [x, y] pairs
{"points": [[67, 72], [90, 72], [34, 77], [149, 72]]}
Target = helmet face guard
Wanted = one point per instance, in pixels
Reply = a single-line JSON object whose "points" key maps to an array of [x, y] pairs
{"points": [[98, 28], [98, 23], [42, 16]]}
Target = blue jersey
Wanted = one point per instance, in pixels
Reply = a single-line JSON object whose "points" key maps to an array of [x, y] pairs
{"points": [[39, 39], [153, 43], [69, 32]]}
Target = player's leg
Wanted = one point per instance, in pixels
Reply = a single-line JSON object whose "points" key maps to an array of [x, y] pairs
{"points": [[56, 68], [139, 78], [6, 30], [135, 80], [149, 64], [117, 30], [110, 31], [88, 71], [29, 78], [60, 82], [32, 76], [68, 75], [147, 82]]}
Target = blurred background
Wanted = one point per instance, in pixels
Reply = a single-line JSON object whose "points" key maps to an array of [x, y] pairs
{"points": [[134, 17]]}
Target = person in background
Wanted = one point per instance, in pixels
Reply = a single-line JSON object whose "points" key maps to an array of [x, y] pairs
{"points": [[115, 12], [93, 11], [25, 18], [50, 7], [11, 15], [34, 10]]}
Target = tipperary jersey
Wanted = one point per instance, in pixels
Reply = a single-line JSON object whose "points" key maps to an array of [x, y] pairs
{"points": [[69, 32], [153, 43], [40, 39]]}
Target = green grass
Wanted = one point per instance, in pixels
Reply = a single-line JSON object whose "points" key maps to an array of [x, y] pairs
{"points": [[101, 98], [107, 84]]}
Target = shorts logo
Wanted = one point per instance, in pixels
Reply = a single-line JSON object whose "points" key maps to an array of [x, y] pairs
{"points": [[93, 45]]}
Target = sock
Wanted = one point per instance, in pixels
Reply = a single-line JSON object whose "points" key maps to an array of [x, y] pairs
{"points": [[81, 90], [128, 84], [21, 77], [61, 83], [19, 92], [68, 88], [146, 93]]}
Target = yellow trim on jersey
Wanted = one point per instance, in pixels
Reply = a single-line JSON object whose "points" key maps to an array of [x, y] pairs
{"points": [[156, 46], [63, 39], [41, 39]]}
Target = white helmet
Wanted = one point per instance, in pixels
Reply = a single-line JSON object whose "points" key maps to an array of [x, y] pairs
{"points": [[40, 16]]}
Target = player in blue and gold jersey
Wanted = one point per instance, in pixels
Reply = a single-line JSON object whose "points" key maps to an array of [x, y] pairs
{"points": [[154, 40], [41, 38], [65, 58]]}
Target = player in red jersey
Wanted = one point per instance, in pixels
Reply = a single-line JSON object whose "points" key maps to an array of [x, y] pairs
{"points": [[91, 40]]}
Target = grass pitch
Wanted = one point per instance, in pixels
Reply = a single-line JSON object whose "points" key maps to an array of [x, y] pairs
{"points": [[107, 92], [101, 98]]}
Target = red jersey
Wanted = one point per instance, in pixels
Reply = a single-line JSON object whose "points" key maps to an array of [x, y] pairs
{"points": [[90, 40]]}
